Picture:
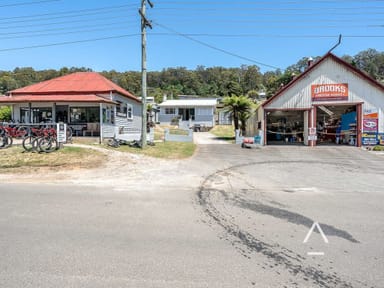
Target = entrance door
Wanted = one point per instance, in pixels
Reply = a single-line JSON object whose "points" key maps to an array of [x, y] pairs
{"points": [[337, 124], [187, 114], [62, 113], [286, 127]]}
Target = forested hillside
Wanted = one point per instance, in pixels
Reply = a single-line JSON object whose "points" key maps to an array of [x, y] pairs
{"points": [[203, 81]]}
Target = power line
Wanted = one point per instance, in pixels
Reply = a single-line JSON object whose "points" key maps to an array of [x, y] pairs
{"points": [[65, 28], [64, 33], [218, 9], [61, 17], [267, 2], [182, 18], [69, 12], [61, 22], [68, 42], [264, 35], [27, 3], [215, 48]]}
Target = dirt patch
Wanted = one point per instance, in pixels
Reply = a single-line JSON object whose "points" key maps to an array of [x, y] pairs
{"points": [[110, 167]]}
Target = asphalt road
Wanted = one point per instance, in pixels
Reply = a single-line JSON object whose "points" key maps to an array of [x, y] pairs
{"points": [[228, 217]]}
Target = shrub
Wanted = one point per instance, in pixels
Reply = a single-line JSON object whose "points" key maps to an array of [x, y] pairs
{"points": [[5, 113]]}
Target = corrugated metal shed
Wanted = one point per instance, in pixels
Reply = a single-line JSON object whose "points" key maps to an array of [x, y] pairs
{"points": [[329, 70]]}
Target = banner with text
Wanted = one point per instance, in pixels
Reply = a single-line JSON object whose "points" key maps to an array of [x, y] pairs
{"points": [[329, 92]]}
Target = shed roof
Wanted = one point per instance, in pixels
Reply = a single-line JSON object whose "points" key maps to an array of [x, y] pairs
{"points": [[79, 83], [189, 103]]}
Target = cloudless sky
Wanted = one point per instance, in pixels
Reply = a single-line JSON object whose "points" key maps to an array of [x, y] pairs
{"points": [[105, 35]]}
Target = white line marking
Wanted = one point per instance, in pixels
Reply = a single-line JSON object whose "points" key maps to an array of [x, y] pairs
{"points": [[315, 253], [315, 224]]}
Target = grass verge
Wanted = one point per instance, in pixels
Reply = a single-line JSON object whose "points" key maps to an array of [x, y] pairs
{"points": [[165, 150], [378, 148], [13, 159]]}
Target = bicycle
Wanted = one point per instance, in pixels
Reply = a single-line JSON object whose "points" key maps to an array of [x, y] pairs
{"points": [[30, 143], [5, 141], [14, 132], [48, 142], [115, 143]]}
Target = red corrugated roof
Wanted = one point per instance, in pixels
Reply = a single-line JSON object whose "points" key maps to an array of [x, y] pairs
{"points": [[76, 83], [54, 98]]}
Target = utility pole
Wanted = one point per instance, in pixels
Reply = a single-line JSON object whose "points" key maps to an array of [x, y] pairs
{"points": [[144, 24]]}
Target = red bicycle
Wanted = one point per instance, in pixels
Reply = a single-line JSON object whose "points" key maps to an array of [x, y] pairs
{"points": [[14, 132]]}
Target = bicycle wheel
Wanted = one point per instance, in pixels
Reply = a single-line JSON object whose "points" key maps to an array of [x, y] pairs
{"points": [[22, 131], [5, 141], [35, 144], [28, 143], [113, 143], [69, 134], [47, 144]]}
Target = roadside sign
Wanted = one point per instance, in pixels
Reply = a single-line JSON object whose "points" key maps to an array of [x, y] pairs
{"points": [[312, 134], [61, 131], [312, 131]]}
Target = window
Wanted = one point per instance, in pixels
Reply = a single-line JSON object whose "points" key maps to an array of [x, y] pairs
{"points": [[122, 109], [204, 111], [129, 111], [84, 114], [39, 115], [170, 111]]}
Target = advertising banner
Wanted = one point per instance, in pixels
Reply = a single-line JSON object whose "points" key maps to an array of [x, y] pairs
{"points": [[329, 92], [370, 125], [369, 139]]}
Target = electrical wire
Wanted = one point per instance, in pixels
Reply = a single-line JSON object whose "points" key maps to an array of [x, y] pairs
{"points": [[69, 42], [214, 47], [267, 2], [61, 17], [27, 3], [61, 22], [68, 12], [65, 28], [263, 35], [64, 33]]}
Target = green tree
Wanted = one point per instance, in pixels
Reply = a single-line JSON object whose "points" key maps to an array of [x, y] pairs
{"points": [[5, 113], [238, 106]]}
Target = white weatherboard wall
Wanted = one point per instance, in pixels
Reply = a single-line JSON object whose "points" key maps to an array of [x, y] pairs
{"points": [[204, 111], [331, 72]]}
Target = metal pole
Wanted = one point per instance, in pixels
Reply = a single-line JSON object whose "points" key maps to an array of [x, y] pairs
{"points": [[143, 75]]}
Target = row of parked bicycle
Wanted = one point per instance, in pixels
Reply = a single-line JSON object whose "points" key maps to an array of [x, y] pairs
{"points": [[34, 138]]}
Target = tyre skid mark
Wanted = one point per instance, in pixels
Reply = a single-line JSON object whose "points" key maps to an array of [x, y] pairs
{"points": [[280, 255]]}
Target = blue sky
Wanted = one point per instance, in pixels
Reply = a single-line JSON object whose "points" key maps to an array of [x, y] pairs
{"points": [[105, 35]]}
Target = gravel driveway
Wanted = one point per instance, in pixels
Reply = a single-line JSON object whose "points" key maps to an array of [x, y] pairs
{"points": [[204, 138]]}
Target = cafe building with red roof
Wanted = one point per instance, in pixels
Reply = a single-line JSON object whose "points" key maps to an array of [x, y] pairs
{"points": [[87, 101]]}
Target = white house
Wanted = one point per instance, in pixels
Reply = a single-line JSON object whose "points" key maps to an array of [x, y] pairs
{"points": [[188, 112]]}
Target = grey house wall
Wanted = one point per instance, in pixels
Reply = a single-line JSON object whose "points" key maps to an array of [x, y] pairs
{"points": [[125, 124]]}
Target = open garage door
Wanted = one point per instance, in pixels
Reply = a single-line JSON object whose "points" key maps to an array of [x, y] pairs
{"points": [[337, 125], [285, 127]]}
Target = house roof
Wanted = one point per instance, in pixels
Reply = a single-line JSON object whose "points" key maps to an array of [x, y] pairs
{"points": [[54, 98], [79, 83], [189, 103], [329, 55]]}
